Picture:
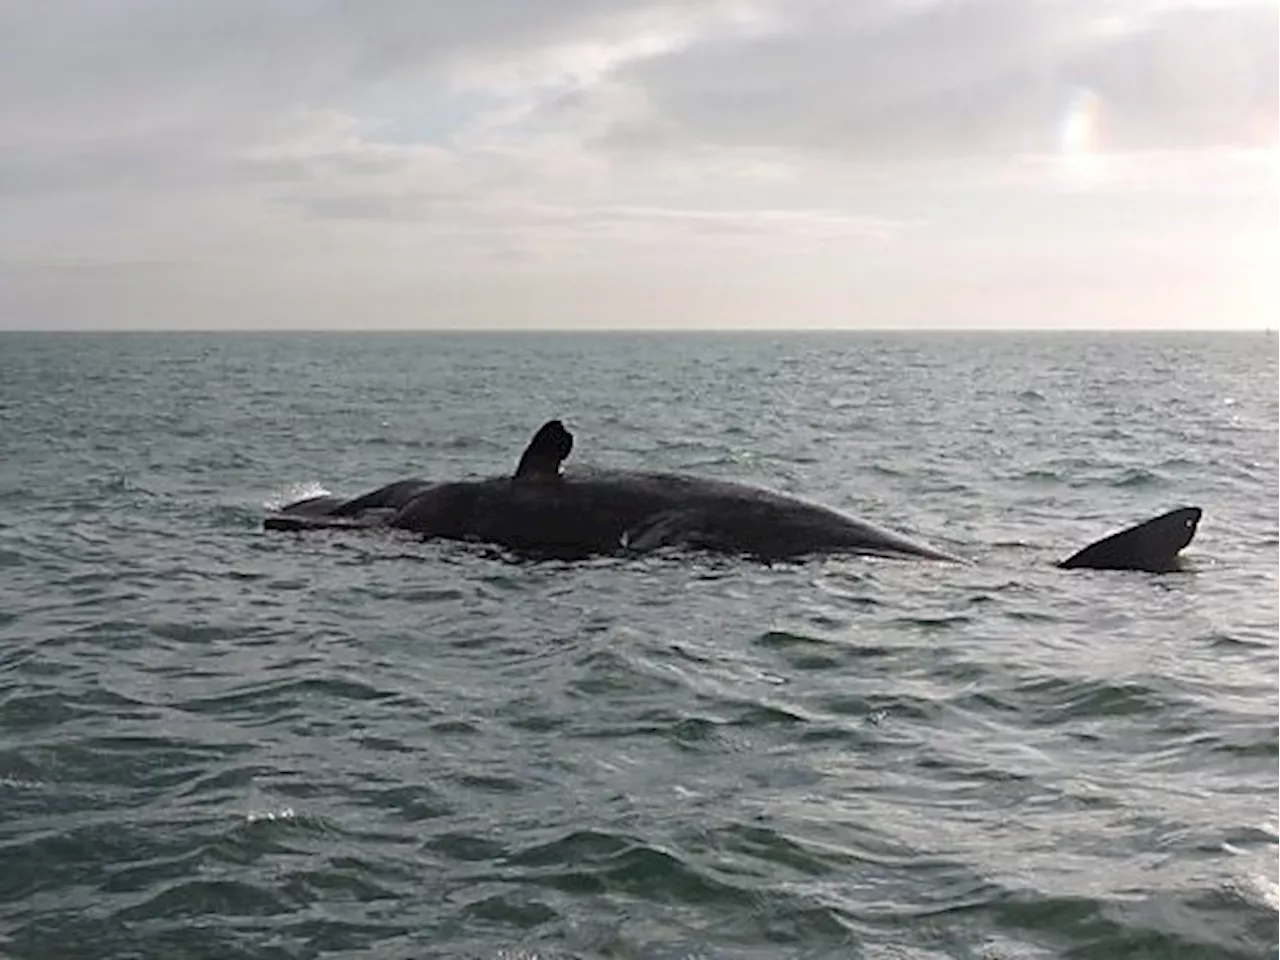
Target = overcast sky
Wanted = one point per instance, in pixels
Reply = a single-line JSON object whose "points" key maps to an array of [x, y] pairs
{"points": [[566, 163]]}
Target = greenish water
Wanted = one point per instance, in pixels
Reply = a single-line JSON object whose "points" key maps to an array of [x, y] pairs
{"points": [[218, 742]]}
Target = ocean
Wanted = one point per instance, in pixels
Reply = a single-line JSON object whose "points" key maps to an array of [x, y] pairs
{"points": [[220, 742]]}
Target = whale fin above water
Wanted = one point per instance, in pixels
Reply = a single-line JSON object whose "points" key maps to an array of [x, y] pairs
{"points": [[541, 460], [1152, 546]]}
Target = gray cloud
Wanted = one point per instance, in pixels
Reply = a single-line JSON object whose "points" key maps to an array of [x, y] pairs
{"points": [[135, 89], [153, 77], [330, 152], [1187, 77], [956, 78]]}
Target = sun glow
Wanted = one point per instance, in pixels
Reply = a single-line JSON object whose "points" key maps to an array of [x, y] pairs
{"points": [[1260, 292], [1081, 162]]}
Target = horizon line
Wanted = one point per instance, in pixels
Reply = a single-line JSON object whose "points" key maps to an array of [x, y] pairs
{"points": [[259, 330]]}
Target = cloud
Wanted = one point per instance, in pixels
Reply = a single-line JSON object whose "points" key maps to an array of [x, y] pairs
{"points": [[894, 80], [382, 152], [1195, 76], [142, 91]]}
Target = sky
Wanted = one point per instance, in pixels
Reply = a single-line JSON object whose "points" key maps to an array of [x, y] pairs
{"points": [[606, 164]]}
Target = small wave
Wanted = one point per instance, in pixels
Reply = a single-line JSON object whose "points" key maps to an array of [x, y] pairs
{"points": [[34, 711], [1227, 641], [200, 632], [1262, 742], [200, 898], [88, 534], [266, 699], [1259, 892], [813, 661], [694, 732], [18, 783], [259, 832], [466, 847], [784, 639], [120, 483], [1042, 475], [878, 708], [464, 442], [1137, 477], [235, 516], [517, 910], [270, 816], [611, 673], [11, 558], [1179, 464], [490, 783], [598, 862], [768, 714], [1056, 699], [933, 624], [1208, 923]]}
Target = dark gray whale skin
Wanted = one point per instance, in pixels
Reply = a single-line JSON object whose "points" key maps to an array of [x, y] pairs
{"points": [[1152, 546], [589, 511], [544, 512]]}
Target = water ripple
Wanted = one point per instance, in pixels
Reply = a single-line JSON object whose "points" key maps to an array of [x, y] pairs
{"points": [[219, 743]]}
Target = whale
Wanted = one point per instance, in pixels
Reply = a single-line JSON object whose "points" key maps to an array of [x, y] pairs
{"points": [[545, 509]]}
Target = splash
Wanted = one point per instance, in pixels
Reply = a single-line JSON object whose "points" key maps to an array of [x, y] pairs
{"points": [[270, 816], [293, 493]]}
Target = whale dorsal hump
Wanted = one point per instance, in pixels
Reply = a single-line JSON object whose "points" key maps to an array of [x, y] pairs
{"points": [[1152, 546], [546, 451]]}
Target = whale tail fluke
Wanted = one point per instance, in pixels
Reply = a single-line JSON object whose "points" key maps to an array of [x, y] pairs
{"points": [[1152, 546]]}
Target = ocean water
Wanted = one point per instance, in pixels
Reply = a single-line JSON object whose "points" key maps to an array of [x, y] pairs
{"points": [[217, 742]]}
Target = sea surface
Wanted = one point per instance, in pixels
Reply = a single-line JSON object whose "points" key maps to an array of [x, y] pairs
{"points": [[218, 742]]}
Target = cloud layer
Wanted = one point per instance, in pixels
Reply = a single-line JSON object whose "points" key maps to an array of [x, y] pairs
{"points": [[586, 163]]}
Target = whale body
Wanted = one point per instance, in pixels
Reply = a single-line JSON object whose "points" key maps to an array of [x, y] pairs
{"points": [[596, 511], [589, 511]]}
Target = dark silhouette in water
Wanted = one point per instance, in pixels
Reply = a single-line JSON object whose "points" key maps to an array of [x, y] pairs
{"points": [[549, 448], [1152, 546], [583, 512]]}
